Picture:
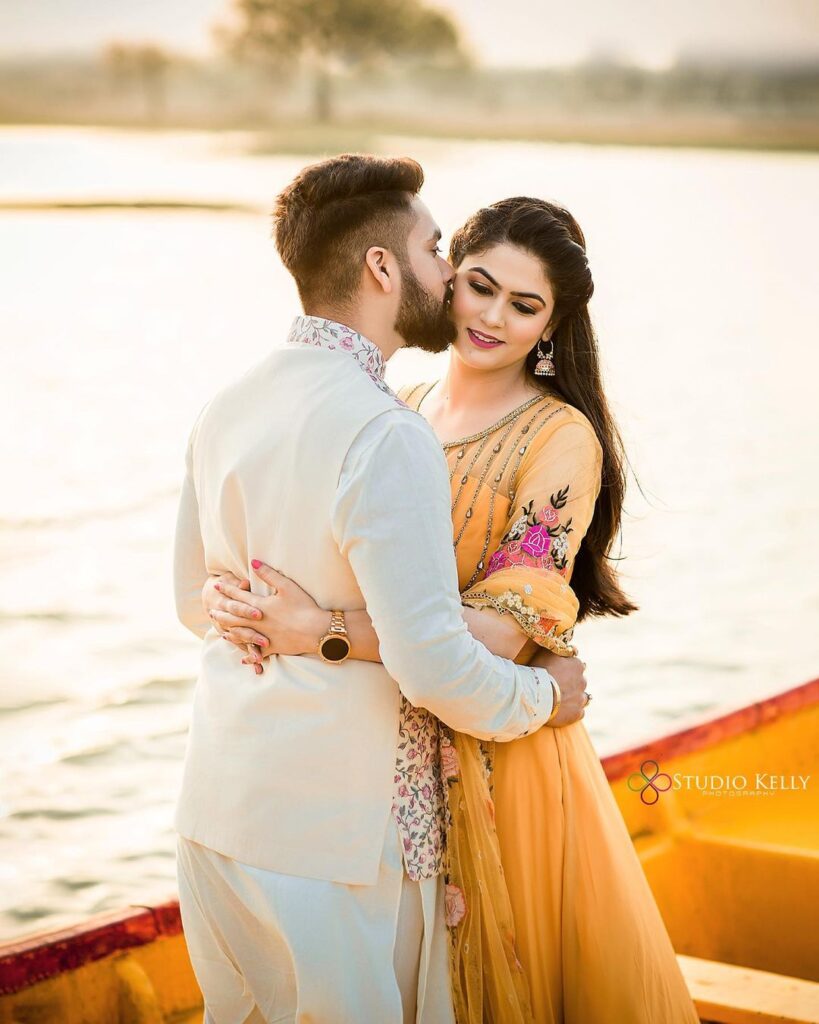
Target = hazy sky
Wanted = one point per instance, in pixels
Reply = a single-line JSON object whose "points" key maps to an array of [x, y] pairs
{"points": [[507, 32]]}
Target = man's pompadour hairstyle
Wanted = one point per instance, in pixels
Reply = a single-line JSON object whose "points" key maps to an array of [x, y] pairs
{"points": [[332, 212]]}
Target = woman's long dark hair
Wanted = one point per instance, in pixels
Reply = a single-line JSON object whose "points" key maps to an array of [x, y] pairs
{"points": [[552, 235]]}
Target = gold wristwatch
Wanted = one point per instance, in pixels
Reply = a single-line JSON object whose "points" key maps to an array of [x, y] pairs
{"points": [[334, 646]]}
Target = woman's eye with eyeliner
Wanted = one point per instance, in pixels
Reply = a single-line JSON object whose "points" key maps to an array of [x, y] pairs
{"points": [[527, 310], [481, 289]]}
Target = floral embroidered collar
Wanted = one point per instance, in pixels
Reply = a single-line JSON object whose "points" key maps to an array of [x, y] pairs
{"points": [[321, 333]]}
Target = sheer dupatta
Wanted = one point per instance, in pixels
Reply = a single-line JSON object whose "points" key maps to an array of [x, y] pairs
{"points": [[526, 577]]}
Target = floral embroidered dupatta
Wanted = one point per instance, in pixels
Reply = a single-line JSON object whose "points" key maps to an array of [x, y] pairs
{"points": [[524, 490]]}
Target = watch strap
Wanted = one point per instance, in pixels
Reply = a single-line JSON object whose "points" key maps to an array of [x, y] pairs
{"points": [[337, 623]]}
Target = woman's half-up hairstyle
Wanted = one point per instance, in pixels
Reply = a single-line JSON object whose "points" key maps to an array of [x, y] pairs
{"points": [[552, 235]]}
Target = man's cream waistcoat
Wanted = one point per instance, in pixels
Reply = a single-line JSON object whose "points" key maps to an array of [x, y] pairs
{"points": [[291, 770]]}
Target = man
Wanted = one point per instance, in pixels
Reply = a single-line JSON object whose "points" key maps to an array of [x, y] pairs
{"points": [[307, 891]]}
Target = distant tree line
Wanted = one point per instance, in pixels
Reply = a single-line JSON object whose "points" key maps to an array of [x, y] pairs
{"points": [[144, 84], [319, 60]]}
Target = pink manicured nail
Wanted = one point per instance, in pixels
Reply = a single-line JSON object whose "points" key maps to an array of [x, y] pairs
{"points": [[256, 563], [217, 586]]}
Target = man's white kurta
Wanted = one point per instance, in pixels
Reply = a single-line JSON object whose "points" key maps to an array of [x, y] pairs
{"points": [[306, 464], [314, 467]]}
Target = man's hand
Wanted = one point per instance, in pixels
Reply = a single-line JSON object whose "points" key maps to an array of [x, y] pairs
{"points": [[569, 676]]}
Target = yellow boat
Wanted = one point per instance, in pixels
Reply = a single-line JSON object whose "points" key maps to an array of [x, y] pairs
{"points": [[724, 816]]}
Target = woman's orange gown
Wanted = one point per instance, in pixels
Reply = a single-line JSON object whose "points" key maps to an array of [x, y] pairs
{"points": [[588, 932]]}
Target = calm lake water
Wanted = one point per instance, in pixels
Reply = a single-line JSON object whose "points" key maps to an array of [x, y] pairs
{"points": [[117, 326]]}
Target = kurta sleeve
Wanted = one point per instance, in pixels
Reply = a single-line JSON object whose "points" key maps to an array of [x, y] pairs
{"points": [[400, 552], [552, 506]]}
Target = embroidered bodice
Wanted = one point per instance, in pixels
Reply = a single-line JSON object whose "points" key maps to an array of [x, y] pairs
{"points": [[523, 493]]}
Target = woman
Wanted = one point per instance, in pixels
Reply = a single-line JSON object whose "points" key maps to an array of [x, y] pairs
{"points": [[536, 467]]}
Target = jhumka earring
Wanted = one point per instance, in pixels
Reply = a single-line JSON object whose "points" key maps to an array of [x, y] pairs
{"points": [[545, 361]]}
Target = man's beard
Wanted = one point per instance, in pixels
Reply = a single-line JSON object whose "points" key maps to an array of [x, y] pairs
{"points": [[423, 321]]}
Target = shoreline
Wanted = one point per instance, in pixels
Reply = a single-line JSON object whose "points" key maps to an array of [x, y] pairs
{"points": [[768, 134]]}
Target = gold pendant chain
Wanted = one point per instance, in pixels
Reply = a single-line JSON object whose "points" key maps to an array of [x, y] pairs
{"points": [[513, 477], [517, 448], [497, 448], [521, 451], [485, 435], [495, 426], [468, 470]]}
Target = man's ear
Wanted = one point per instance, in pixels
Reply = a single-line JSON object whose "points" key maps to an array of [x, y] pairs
{"points": [[381, 267]]}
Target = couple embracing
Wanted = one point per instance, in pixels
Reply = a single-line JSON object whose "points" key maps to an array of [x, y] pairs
{"points": [[391, 811]]}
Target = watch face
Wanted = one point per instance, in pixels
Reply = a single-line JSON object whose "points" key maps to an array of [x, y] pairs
{"points": [[335, 649]]}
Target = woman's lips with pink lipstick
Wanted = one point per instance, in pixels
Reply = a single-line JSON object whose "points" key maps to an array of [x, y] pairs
{"points": [[482, 340]]}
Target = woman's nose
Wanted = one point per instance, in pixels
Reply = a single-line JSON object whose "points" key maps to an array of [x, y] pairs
{"points": [[492, 315]]}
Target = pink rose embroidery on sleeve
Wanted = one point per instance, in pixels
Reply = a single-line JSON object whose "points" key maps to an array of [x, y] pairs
{"points": [[537, 538]]}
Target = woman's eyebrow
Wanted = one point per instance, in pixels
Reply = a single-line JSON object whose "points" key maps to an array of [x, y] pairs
{"points": [[522, 295]]}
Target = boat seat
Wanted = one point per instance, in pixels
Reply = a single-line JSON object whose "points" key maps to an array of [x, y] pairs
{"points": [[729, 994]]}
